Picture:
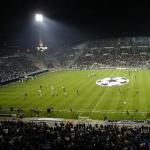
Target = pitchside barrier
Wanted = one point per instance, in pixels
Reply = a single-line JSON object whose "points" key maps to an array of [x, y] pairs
{"points": [[7, 115], [132, 68], [84, 119], [126, 122], [80, 120], [101, 68]]}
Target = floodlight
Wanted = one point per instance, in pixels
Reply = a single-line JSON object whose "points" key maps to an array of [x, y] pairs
{"points": [[39, 17]]}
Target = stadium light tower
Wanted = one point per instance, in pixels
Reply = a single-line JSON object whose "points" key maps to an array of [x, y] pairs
{"points": [[39, 17]]}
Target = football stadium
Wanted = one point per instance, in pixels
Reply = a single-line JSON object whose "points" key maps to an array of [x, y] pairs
{"points": [[100, 82], [74, 76]]}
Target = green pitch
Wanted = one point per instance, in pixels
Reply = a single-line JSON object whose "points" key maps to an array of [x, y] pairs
{"points": [[59, 90]]}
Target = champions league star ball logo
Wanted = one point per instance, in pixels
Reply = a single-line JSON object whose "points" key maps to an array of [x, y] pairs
{"points": [[114, 81]]}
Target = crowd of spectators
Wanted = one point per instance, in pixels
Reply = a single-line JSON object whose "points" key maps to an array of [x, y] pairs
{"points": [[40, 136], [12, 68], [113, 58], [121, 52]]}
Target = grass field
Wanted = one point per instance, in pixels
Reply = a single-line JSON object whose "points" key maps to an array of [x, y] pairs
{"points": [[92, 101]]}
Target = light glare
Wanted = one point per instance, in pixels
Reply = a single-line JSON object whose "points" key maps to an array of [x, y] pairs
{"points": [[39, 17]]}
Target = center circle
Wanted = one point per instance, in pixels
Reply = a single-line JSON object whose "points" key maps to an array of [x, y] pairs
{"points": [[112, 81]]}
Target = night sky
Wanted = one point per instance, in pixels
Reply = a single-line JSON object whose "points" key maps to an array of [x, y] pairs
{"points": [[77, 20]]}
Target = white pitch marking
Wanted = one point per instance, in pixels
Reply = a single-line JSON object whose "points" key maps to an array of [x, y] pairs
{"points": [[99, 100]]}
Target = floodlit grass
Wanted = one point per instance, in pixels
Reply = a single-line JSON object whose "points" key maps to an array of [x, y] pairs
{"points": [[93, 101]]}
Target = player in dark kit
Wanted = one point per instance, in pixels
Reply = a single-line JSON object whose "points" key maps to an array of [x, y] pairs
{"points": [[78, 92], [25, 96], [41, 87]]}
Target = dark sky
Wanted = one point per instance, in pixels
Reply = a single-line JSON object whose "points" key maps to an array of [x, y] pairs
{"points": [[87, 19]]}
